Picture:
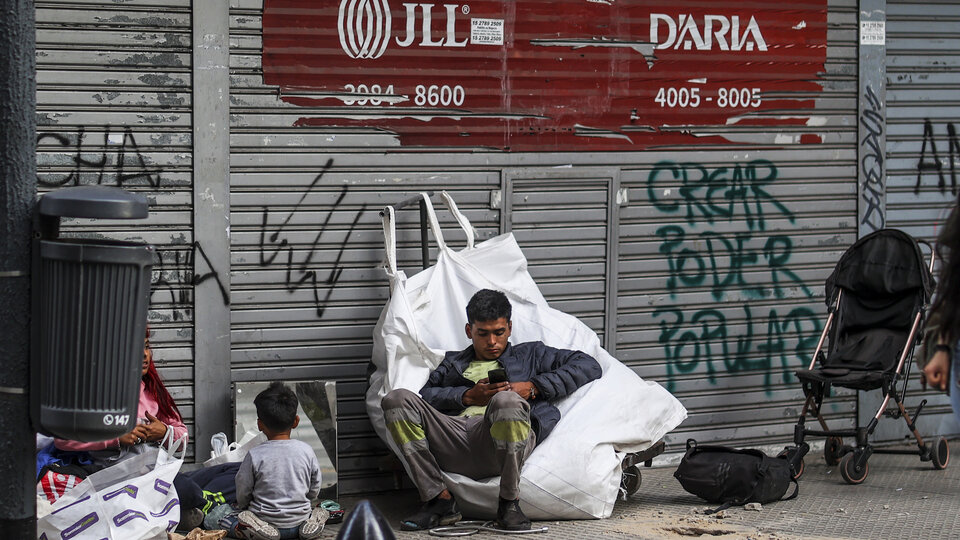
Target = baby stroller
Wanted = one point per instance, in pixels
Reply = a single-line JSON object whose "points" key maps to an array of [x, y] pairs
{"points": [[877, 298]]}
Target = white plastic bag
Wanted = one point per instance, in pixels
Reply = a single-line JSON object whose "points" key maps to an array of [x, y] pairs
{"points": [[574, 473], [132, 500], [238, 450]]}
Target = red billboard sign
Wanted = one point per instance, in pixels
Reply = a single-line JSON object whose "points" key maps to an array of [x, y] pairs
{"points": [[542, 75]]}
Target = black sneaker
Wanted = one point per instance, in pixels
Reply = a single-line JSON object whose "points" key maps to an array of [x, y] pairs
{"points": [[433, 513], [510, 517]]}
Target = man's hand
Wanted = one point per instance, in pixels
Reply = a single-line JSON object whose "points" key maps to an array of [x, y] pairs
{"points": [[526, 389], [937, 371], [154, 430], [481, 392]]}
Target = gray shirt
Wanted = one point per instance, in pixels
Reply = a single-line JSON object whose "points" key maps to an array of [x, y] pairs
{"points": [[276, 481]]}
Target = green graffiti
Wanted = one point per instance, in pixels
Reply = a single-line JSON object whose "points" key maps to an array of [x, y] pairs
{"points": [[703, 342], [726, 262], [718, 194], [721, 261]]}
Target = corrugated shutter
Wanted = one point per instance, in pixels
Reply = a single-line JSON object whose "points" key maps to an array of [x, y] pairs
{"points": [[726, 299], [308, 175], [923, 150], [723, 255], [114, 108], [562, 220]]}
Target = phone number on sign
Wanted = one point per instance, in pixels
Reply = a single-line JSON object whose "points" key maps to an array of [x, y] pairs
{"points": [[434, 95], [691, 97]]}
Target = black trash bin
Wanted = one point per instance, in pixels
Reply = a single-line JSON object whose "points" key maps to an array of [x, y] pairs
{"points": [[90, 301]]}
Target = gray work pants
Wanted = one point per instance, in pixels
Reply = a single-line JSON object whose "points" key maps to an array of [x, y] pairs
{"points": [[496, 443]]}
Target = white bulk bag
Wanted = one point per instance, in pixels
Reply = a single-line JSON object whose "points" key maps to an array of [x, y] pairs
{"points": [[574, 473]]}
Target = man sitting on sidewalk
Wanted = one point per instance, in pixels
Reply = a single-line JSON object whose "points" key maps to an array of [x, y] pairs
{"points": [[495, 426]]}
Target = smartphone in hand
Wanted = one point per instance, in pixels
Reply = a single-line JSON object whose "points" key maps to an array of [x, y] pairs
{"points": [[498, 375]]}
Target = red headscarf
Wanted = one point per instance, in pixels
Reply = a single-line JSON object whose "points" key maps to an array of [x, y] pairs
{"points": [[152, 383]]}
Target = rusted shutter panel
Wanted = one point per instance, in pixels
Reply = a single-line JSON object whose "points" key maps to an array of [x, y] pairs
{"points": [[114, 108]]}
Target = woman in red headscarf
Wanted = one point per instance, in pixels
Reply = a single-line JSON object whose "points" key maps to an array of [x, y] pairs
{"points": [[157, 414]]}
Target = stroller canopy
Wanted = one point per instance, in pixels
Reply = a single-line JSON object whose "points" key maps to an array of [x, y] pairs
{"points": [[886, 263]]}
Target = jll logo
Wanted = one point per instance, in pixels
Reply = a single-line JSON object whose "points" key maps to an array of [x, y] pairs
{"points": [[365, 27]]}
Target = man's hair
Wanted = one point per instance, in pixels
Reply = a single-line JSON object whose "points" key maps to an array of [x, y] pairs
{"points": [[488, 305], [276, 407]]}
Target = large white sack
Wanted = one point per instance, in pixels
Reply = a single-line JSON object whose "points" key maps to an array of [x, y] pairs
{"points": [[573, 474]]}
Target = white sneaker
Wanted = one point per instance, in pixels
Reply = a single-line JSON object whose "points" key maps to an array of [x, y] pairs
{"points": [[313, 526], [254, 528]]}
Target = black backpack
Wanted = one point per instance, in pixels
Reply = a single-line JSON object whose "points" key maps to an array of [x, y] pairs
{"points": [[721, 474]]}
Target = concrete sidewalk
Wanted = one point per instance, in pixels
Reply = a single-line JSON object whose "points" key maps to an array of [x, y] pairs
{"points": [[902, 497]]}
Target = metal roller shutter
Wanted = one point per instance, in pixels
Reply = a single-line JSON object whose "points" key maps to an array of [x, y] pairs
{"points": [[685, 191], [316, 150], [114, 108], [723, 255], [728, 300], [923, 73]]}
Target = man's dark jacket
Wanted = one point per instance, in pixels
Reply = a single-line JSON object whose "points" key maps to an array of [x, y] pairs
{"points": [[556, 373]]}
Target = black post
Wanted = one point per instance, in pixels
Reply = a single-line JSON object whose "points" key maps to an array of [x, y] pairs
{"points": [[18, 190], [424, 246]]}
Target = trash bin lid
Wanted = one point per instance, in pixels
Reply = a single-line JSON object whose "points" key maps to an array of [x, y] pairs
{"points": [[104, 202]]}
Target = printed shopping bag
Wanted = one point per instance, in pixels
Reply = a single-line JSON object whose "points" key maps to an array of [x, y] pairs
{"points": [[131, 500], [573, 474]]}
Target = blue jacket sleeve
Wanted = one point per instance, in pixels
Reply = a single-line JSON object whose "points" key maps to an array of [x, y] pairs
{"points": [[444, 389], [560, 372]]}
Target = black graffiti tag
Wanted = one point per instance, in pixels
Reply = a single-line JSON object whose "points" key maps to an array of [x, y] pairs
{"points": [[180, 277], [130, 166], [298, 273], [872, 162], [933, 161]]}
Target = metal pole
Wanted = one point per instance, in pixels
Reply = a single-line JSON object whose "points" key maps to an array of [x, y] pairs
{"points": [[18, 190], [424, 246]]}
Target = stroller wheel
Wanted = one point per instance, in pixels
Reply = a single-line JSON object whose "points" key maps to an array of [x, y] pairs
{"points": [[848, 470], [799, 472], [833, 450], [630, 481], [940, 453], [788, 455]]}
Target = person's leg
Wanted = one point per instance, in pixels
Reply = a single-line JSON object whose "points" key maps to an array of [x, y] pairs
{"points": [[427, 439], [289, 533], [217, 482], [189, 492], [508, 438]]}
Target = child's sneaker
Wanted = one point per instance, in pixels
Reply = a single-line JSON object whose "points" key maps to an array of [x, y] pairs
{"points": [[253, 528], [311, 528]]}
